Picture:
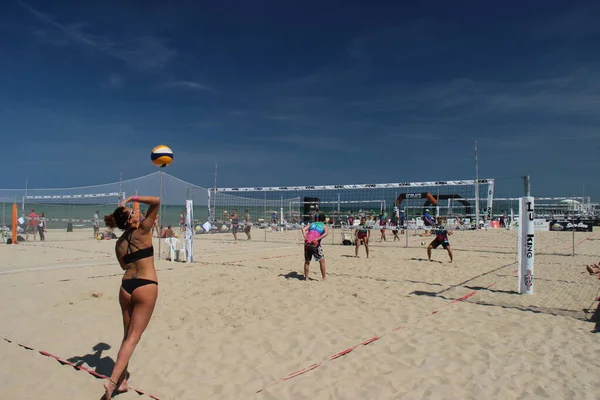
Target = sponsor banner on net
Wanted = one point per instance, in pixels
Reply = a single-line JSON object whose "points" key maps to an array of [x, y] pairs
{"points": [[569, 226]]}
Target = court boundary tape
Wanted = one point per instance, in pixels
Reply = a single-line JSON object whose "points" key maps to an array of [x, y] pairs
{"points": [[369, 341], [581, 241], [64, 362]]}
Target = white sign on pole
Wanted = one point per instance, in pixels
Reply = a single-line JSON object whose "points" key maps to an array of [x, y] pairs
{"points": [[189, 231], [526, 244]]}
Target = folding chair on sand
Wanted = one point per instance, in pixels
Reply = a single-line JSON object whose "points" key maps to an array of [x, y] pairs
{"points": [[175, 248]]}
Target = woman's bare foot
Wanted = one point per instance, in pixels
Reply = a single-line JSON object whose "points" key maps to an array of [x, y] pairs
{"points": [[123, 387], [109, 388]]}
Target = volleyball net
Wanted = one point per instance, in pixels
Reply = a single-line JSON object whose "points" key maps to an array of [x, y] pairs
{"points": [[289, 207], [75, 206]]}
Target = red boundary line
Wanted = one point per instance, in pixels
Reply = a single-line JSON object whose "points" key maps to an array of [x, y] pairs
{"points": [[367, 342], [77, 367], [581, 241]]}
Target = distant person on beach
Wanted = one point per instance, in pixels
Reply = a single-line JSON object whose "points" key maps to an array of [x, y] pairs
{"points": [[96, 224], [139, 286], [41, 228], [170, 232], [402, 221], [382, 225], [394, 225], [182, 221], [247, 225], [361, 236], [32, 226], [235, 223], [441, 238], [156, 227], [427, 218], [313, 234]]}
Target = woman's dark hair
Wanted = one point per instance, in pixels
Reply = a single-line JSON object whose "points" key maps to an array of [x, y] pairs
{"points": [[118, 219], [322, 217]]}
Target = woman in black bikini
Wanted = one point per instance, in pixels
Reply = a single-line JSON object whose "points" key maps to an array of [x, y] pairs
{"points": [[139, 287]]}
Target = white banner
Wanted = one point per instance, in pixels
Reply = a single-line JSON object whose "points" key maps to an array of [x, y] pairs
{"points": [[359, 186], [541, 225], [189, 231], [526, 247]]}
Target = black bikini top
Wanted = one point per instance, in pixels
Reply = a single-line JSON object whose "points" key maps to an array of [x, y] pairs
{"points": [[136, 255]]}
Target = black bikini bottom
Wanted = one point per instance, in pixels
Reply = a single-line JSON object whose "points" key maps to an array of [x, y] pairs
{"points": [[131, 284]]}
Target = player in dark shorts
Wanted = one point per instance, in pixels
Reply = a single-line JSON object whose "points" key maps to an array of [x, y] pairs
{"points": [[235, 223], [394, 225], [441, 237], [313, 234], [361, 236]]}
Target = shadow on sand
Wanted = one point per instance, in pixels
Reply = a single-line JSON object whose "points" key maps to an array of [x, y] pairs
{"points": [[95, 361], [295, 275]]}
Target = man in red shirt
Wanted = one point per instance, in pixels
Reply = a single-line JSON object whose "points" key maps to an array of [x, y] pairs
{"points": [[32, 227]]}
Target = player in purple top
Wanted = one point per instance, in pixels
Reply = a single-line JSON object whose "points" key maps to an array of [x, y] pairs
{"points": [[313, 234]]}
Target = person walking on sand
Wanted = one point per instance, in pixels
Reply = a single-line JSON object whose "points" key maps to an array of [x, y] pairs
{"points": [[361, 236], [235, 224], [394, 225], [42, 227], [313, 234], [383, 219], [248, 225], [139, 286], [32, 226], [96, 223]]}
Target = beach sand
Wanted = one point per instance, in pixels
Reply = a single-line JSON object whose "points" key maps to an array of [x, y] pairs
{"points": [[238, 320]]}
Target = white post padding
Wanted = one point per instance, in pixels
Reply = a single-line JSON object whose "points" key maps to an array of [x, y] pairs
{"points": [[189, 231], [526, 246]]}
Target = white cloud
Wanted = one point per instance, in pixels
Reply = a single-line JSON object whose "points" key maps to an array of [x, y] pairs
{"points": [[145, 53], [190, 85]]}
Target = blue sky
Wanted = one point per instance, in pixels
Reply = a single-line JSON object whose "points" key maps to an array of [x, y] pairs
{"points": [[305, 93]]}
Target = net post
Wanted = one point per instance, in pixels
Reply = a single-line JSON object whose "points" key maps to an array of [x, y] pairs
{"points": [[189, 231], [281, 228], [14, 223], [161, 213], [406, 229], [527, 185], [526, 244]]}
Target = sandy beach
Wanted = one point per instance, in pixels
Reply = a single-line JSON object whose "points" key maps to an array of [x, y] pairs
{"points": [[238, 320]]}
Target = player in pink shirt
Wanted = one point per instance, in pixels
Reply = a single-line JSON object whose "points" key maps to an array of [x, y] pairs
{"points": [[32, 226]]}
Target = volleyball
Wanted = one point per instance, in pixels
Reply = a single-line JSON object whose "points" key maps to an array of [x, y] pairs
{"points": [[161, 156]]}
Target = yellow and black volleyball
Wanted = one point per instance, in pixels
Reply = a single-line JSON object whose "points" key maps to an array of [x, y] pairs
{"points": [[161, 156]]}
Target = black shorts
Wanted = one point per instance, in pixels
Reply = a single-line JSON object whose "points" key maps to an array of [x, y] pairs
{"points": [[235, 228], [311, 250], [247, 228], [436, 243]]}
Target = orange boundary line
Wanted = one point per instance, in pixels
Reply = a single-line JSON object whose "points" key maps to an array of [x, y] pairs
{"points": [[366, 342], [77, 367]]}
